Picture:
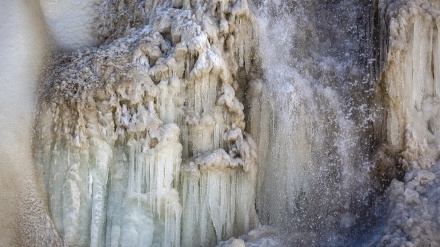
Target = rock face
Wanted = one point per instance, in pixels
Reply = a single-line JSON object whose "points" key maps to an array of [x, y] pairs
{"points": [[141, 141]]}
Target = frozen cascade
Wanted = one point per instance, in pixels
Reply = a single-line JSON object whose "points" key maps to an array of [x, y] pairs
{"points": [[145, 133], [191, 122], [309, 121]]}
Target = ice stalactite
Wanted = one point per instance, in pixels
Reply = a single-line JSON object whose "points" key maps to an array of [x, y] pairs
{"points": [[141, 135], [218, 197], [141, 141]]}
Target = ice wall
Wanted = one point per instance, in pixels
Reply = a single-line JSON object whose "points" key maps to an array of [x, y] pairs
{"points": [[23, 217], [141, 141]]}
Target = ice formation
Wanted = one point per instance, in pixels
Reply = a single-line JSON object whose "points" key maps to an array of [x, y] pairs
{"points": [[411, 81], [227, 122], [141, 140]]}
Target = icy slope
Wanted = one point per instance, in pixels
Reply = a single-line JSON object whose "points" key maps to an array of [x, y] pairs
{"points": [[413, 210]]}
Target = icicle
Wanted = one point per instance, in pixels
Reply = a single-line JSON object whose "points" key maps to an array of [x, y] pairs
{"points": [[131, 170], [436, 58], [71, 203], [204, 195]]}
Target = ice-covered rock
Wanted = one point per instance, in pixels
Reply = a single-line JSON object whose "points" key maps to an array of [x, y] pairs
{"points": [[410, 80]]}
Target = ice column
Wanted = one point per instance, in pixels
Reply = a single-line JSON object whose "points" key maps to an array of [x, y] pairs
{"points": [[411, 82]]}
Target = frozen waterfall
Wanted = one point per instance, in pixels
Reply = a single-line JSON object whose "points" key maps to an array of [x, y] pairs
{"points": [[219, 123], [311, 114]]}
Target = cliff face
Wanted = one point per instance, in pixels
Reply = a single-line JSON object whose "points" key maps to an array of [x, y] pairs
{"points": [[187, 122]]}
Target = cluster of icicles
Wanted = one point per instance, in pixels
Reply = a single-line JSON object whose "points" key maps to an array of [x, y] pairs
{"points": [[142, 141]]}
